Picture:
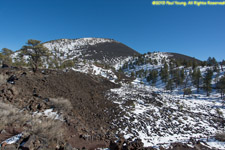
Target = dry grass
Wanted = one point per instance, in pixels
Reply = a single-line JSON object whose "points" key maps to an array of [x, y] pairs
{"points": [[62, 104], [220, 136], [47, 129], [10, 115], [3, 78], [44, 128]]}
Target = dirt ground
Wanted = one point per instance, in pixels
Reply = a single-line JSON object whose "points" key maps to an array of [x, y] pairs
{"points": [[87, 121]]}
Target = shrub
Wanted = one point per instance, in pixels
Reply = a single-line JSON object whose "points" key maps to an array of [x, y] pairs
{"points": [[42, 127], [220, 136], [61, 104], [187, 91]]}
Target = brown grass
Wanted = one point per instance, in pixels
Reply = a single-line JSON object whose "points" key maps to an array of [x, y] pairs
{"points": [[220, 136], [3, 78], [61, 104], [44, 128]]}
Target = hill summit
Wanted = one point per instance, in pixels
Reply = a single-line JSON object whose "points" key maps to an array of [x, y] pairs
{"points": [[98, 49]]}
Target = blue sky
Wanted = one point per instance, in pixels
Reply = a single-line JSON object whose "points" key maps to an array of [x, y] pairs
{"points": [[195, 31]]}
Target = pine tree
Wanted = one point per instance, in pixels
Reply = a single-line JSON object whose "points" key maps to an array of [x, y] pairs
{"points": [[189, 63], [209, 61], [132, 74], [176, 77], [34, 50], [19, 62], [221, 65], [207, 81], [155, 76], [68, 64], [149, 77], [186, 79], [178, 63], [169, 85], [203, 63], [212, 62], [155, 62], [194, 65], [1, 58], [216, 80], [164, 73], [6, 56], [221, 86], [182, 76], [187, 91], [152, 77], [196, 78]]}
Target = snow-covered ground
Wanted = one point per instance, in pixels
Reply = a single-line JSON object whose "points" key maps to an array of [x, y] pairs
{"points": [[12, 140], [159, 57], [67, 45], [121, 62], [159, 117], [162, 118], [50, 114], [90, 68]]}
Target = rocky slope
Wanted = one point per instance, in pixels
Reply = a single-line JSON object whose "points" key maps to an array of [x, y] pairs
{"points": [[92, 105], [89, 111], [73, 99]]}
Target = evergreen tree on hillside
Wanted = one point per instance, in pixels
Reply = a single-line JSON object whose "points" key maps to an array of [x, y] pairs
{"points": [[187, 77], [182, 76], [163, 61], [1, 58], [216, 80], [196, 78], [178, 63], [67, 64], [164, 74], [187, 91], [125, 66], [169, 85], [223, 62], [35, 51], [176, 77], [140, 61], [19, 62], [207, 81], [152, 77], [194, 65], [171, 65], [6, 56], [132, 74], [203, 63], [155, 62], [221, 86], [212, 62]]}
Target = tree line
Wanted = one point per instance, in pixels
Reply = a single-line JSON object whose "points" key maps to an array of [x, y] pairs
{"points": [[180, 74]]}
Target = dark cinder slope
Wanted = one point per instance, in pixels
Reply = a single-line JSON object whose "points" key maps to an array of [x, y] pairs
{"points": [[182, 57], [109, 50], [99, 49]]}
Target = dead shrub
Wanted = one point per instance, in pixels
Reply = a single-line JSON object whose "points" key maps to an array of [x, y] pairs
{"points": [[3, 78], [47, 129], [220, 136], [10, 115], [61, 104]]}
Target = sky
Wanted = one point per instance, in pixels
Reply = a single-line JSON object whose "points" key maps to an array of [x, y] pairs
{"points": [[195, 31]]}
